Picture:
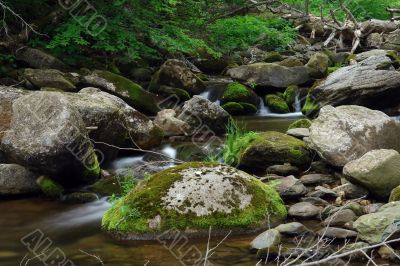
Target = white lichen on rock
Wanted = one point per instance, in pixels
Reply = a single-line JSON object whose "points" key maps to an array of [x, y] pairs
{"points": [[207, 190]]}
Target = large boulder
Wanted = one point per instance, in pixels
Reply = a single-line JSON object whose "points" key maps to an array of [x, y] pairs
{"points": [[17, 180], [172, 126], [193, 197], [38, 59], [318, 65], [270, 75], [236, 92], [124, 88], [358, 84], [175, 73], [391, 41], [377, 170], [48, 135], [345, 133], [270, 148], [201, 114], [50, 78], [376, 227]]}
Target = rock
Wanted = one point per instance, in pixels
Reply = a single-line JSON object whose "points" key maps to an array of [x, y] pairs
{"points": [[315, 201], [321, 167], [270, 75], [49, 187], [273, 56], [270, 148], [179, 95], [317, 179], [48, 135], [322, 192], [318, 65], [304, 210], [234, 108], [355, 246], [291, 62], [17, 180], [387, 253], [141, 74], [236, 92], [50, 78], [177, 74], [395, 194], [283, 169], [364, 55], [351, 191], [290, 187], [124, 88], [377, 170], [172, 126], [268, 239], [291, 229], [345, 133], [81, 197], [340, 218], [276, 104], [375, 227], [193, 197], [336, 233], [391, 41], [301, 123], [107, 186], [290, 96], [357, 84], [201, 114], [372, 208], [38, 59]]}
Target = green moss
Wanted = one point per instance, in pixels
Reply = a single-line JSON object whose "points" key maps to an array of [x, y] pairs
{"points": [[301, 123], [333, 69], [133, 93], [310, 108], [182, 94], [276, 104], [395, 194], [233, 108], [290, 95], [132, 213], [234, 92], [248, 108], [92, 168], [50, 187], [273, 57], [393, 55]]}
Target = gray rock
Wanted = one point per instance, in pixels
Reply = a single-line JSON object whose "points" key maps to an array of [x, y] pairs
{"points": [[304, 210], [354, 246], [391, 41], [340, 218], [16, 180], [377, 170], [321, 167], [290, 187], [337, 233], [51, 78], [322, 192], [318, 65], [81, 197], [372, 208], [376, 52], [345, 133], [317, 179], [299, 132], [315, 201], [38, 59], [351, 191], [283, 170], [267, 239], [294, 228], [172, 126]]}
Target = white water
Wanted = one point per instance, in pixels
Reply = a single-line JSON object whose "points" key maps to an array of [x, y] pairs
{"points": [[264, 111], [169, 151], [126, 162]]}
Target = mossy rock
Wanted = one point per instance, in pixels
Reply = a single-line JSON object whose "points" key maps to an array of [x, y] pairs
{"points": [[81, 197], [49, 187], [290, 95], [271, 148], [182, 95], [194, 197], [236, 92], [395, 194], [394, 56], [318, 65], [233, 108], [276, 104], [107, 186], [291, 62], [300, 123], [310, 108], [273, 57], [124, 88], [249, 108]]}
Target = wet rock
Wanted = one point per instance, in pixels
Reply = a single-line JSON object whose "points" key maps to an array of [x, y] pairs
{"points": [[395, 194], [322, 192], [351, 191], [276, 104], [172, 126], [340, 218], [315, 201], [290, 187], [201, 114], [107, 186], [49, 187], [317, 179], [346, 133], [291, 229], [236, 92], [81, 197], [17, 180], [304, 210], [336, 233], [301, 123], [38, 59], [321, 167], [299, 132], [50, 78], [267, 239], [283, 169]]}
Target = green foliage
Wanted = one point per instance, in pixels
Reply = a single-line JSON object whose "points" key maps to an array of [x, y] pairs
{"points": [[127, 183]]}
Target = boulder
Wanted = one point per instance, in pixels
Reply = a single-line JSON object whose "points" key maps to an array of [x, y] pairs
{"points": [[283, 169], [172, 126], [51, 78], [175, 73], [49, 187], [336, 233], [391, 41], [270, 148], [318, 65], [276, 104], [300, 123], [304, 210], [129, 91], [236, 92], [192, 197], [291, 229], [270, 75], [377, 170], [345, 133], [17, 180], [48, 135], [268, 239], [358, 84], [376, 227], [201, 114], [317, 179], [340, 218], [38, 59], [395, 194], [299, 133], [290, 187]]}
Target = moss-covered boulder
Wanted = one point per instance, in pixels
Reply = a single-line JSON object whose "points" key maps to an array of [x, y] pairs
{"points": [[49, 187], [290, 95], [300, 123], [248, 108], [318, 65], [276, 104], [236, 92], [271, 148], [129, 91], [311, 107], [395, 194], [273, 56], [50, 78], [194, 197], [171, 91], [233, 108]]}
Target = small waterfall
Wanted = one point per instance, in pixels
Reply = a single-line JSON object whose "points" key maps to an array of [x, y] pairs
{"points": [[169, 151], [126, 162], [297, 103], [264, 111]]}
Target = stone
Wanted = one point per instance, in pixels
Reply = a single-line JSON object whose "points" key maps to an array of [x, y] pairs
{"points": [[387, 253], [270, 75], [355, 246], [201, 114], [345, 133], [290, 187], [172, 126], [48, 135], [107, 186], [391, 41], [268, 239], [283, 169], [377, 170], [318, 65], [291, 229], [276, 104], [395, 194], [17, 180], [317, 179], [50, 78], [315, 201], [336, 233], [322, 192], [38, 59], [49, 187], [340, 218], [299, 132], [81, 197], [304, 210], [192, 197], [372, 208], [321, 167], [236, 92], [351, 191], [300, 123]]}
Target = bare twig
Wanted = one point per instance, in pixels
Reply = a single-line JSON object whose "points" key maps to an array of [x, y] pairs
{"points": [[93, 256]]}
